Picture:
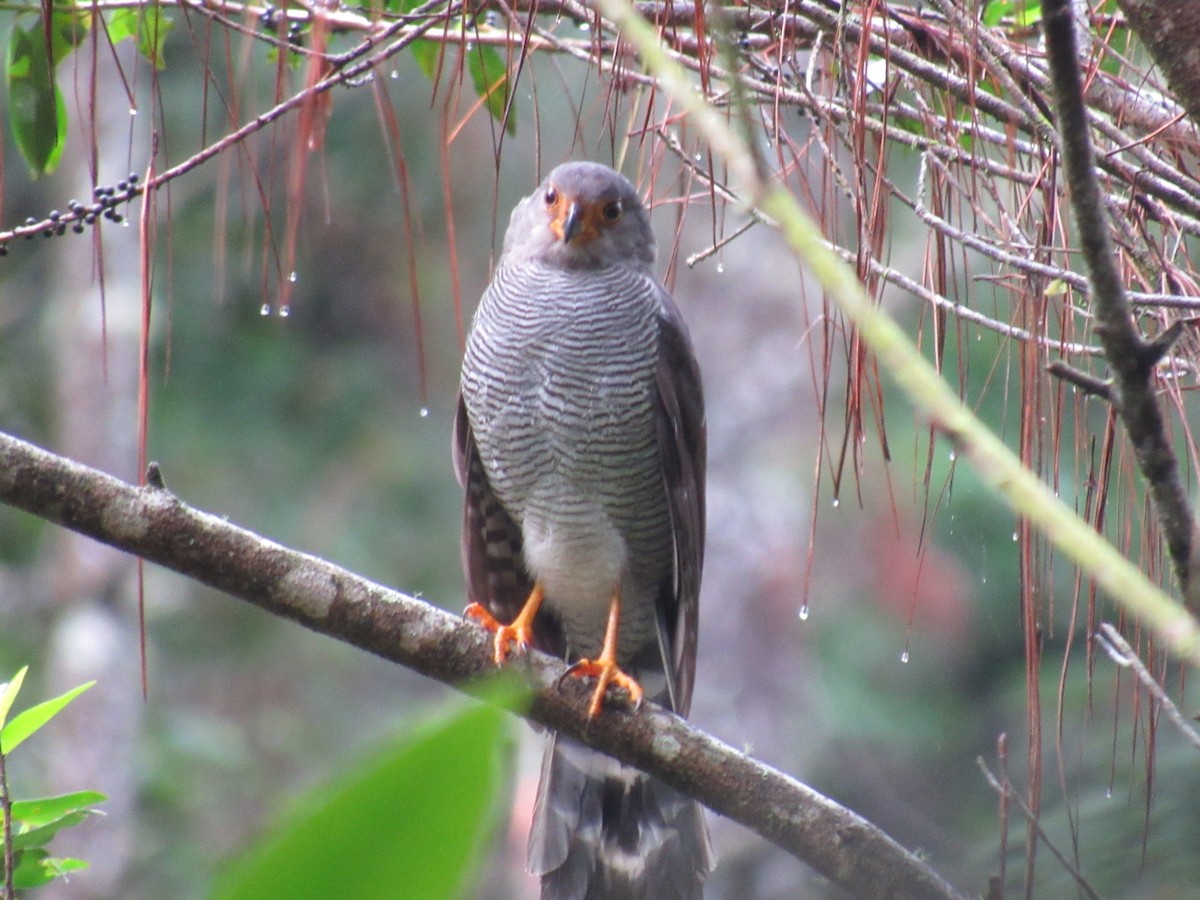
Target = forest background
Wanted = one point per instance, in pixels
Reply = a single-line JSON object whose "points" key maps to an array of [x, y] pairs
{"points": [[874, 620]]}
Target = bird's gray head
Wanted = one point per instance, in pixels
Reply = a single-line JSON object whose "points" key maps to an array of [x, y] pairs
{"points": [[584, 215]]}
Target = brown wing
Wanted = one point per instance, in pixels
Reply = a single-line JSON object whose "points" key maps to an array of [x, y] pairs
{"points": [[492, 557], [682, 443]]}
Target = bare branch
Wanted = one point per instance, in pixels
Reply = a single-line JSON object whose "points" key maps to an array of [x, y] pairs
{"points": [[1132, 357], [154, 524], [1004, 789], [1122, 654]]}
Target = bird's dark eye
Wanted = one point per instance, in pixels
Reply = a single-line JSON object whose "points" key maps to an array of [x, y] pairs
{"points": [[551, 196], [613, 211]]}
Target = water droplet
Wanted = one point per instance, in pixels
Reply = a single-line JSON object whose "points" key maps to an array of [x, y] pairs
{"points": [[395, 74], [1108, 793], [424, 412], [585, 26], [266, 310], [804, 613], [720, 268], [953, 456], [133, 111], [284, 311], [1014, 536], [984, 579], [836, 502], [904, 656], [292, 277]]}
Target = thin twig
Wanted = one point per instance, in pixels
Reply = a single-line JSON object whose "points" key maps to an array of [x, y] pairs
{"points": [[1011, 796], [1089, 384], [1119, 651]]}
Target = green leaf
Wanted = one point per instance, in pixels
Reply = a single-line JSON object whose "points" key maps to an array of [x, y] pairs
{"points": [[417, 815], [8, 693], [35, 868], [427, 54], [153, 27], [490, 75], [36, 108], [122, 24], [35, 822], [43, 811], [34, 102], [996, 10], [147, 26], [28, 722], [40, 837]]}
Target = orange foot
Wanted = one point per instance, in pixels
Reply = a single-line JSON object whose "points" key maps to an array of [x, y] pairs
{"points": [[519, 633], [607, 674]]}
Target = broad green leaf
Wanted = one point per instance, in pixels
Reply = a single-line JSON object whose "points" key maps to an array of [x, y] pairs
{"points": [[996, 10], [40, 837], [153, 27], [36, 109], [122, 24], [490, 76], [26, 723], [44, 810], [8, 693], [35, 868], [426, 53], [147, 26], [417, 815]]}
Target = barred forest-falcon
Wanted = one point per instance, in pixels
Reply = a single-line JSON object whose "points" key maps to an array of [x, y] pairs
{"points": [[580, 442]]}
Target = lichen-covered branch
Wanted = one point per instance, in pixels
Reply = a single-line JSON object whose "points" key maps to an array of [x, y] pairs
{"points": [[154, 524]]}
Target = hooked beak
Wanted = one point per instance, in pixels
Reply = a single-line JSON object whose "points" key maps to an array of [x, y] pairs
{"points": [[572, 223]]}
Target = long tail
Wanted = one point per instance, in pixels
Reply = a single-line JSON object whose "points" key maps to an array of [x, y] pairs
{"points": [[604, 831]]}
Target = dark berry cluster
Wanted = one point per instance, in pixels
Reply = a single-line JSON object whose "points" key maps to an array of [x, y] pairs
{"points": [[271, 18], [105, 199]]}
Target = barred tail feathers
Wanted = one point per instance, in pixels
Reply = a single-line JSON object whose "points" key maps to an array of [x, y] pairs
{"points": [[605, 831]]}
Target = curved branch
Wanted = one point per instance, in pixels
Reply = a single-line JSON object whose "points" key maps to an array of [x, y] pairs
{"points": [[154, 524]]}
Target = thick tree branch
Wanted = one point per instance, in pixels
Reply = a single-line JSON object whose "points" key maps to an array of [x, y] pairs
{"points": [[1132, 358], [154, 524], [1168, 28]]}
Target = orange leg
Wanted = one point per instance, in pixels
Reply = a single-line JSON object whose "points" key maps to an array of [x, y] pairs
{"points": [[520, 632], [604, 667]]}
